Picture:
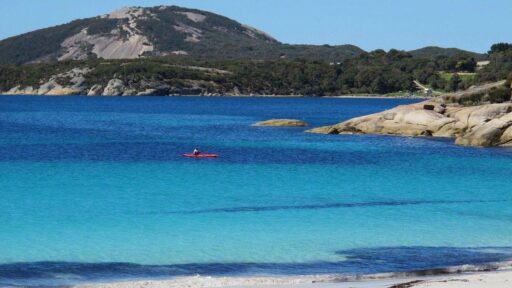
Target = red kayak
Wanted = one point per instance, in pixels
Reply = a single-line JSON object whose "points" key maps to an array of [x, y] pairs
{"points": [[201, 155]]}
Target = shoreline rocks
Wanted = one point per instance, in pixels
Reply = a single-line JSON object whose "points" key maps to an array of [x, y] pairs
{"points": [[281, 123], [481, 125], [115, 87]]}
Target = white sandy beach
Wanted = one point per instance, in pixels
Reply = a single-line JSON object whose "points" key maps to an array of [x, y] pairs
{"points": [[500, 279], [495, 279]]}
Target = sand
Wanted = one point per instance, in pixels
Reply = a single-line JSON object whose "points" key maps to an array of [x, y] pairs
{"points": [[496, 279], [482, 280]]}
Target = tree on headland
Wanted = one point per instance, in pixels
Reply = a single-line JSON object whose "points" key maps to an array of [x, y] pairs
{"points": [[500, 47], [466, 65]]}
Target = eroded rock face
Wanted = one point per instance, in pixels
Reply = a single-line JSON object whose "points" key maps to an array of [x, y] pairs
{"points": [[21, 91], [196, 17], [75, 86], [506, 137], [483, 125], [489, 132], [123, 42], [95, 90], [115, 87], [281, 123], [73, 82], [115, 46], [408, 120]]}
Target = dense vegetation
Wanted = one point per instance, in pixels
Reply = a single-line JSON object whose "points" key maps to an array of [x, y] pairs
{"points": [[500, 65], [501, 94], [499, 68], [376, 72], [381, 72]]}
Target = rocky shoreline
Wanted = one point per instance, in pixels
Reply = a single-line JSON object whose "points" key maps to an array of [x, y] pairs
{"points": [[114, 87], [482, 125], [78, 86]]}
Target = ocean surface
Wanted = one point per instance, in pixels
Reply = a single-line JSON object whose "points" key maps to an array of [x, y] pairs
{"points": [[95, 188]]}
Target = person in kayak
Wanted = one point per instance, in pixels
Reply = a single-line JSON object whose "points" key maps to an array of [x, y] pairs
{"points": [[196, 152]]}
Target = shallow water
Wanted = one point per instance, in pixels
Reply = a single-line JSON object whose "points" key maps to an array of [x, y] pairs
{"points": [[91, 184]]}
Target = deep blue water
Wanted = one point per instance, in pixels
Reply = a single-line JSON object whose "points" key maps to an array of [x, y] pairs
{"points": [[96, 188]]}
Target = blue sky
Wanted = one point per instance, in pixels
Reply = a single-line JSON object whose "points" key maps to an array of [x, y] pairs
{"points": [[371, 24]]}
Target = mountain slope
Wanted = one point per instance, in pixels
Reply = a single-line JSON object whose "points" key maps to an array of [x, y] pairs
{"points": [[135, 32]]}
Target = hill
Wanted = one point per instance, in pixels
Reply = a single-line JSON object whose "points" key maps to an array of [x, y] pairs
{"points": [[432, 52], [136, 32], [169, 50]]}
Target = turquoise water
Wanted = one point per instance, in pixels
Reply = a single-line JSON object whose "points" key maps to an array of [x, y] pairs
{"points": [[89, 183]]}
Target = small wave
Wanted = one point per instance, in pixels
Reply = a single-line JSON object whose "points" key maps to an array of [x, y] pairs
{"points": [[486, 267], [389, 278], [359, 264]]}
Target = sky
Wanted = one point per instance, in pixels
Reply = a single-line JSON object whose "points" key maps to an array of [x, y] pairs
{"points": [[370, 24]]}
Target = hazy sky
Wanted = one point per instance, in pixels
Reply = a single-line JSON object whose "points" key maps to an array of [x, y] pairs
{"points": [[370, 24]]}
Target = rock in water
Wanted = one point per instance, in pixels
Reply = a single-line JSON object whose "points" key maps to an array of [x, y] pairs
{"points": [[282, 123], [482, 125], [407, 120]]}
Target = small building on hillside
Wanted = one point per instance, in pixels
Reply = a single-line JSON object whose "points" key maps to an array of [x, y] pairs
{"points": [[482, 64]]}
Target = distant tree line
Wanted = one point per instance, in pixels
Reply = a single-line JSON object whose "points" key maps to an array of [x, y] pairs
{"points": [[376, 72]]}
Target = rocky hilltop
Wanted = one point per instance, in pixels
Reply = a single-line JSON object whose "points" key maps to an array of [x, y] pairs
{"points": [[484, 124], [135, 32]]}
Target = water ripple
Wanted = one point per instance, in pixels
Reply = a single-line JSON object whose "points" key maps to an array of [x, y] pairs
{"points": [[329, 206]]}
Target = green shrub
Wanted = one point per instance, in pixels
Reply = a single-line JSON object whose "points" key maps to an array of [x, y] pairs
{"points": [[508, 83], [500, 94]]}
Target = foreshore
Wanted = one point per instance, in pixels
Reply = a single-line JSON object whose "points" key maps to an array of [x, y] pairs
{"points": [[488, 276], [496, 279]]}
